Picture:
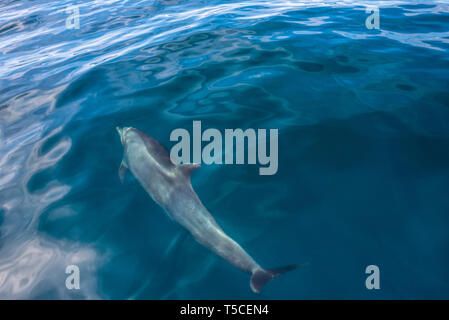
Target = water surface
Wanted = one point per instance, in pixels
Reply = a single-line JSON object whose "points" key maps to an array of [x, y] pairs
{"points": [[363, 146]]}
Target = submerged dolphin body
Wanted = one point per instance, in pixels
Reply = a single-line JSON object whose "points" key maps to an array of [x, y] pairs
{"points": [[169, 185]]}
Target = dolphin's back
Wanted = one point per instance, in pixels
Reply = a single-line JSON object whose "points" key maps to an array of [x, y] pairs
{"points": [[157, 150]]}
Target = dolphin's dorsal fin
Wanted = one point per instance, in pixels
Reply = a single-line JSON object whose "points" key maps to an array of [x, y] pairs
{"points": [[187, 168]]}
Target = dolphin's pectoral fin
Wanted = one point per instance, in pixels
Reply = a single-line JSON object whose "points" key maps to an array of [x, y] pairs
{"points": [[188, 168], [122, 171]]}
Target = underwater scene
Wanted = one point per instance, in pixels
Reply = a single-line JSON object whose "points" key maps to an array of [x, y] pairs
{"points": [[175, 149]]}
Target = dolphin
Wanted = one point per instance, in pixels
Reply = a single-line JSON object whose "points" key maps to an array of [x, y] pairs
{"points": [[170, 186]]}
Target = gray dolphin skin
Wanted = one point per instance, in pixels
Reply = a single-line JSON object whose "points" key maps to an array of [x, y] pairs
{"points": [[169, 185]]}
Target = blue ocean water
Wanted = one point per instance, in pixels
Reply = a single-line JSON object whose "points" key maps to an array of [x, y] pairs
{"points": [[362, 116]]}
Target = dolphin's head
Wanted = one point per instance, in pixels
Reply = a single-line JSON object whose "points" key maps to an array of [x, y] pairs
{"points": [[122, 133]]}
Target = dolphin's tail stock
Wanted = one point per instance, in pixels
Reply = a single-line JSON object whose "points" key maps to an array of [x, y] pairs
{"points": [[260, 276]]}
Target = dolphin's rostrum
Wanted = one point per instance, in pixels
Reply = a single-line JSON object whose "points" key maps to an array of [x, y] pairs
{"points": [[169, 185]]}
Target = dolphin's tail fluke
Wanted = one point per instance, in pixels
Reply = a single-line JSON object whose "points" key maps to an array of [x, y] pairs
{"points": [[260, 276]]}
